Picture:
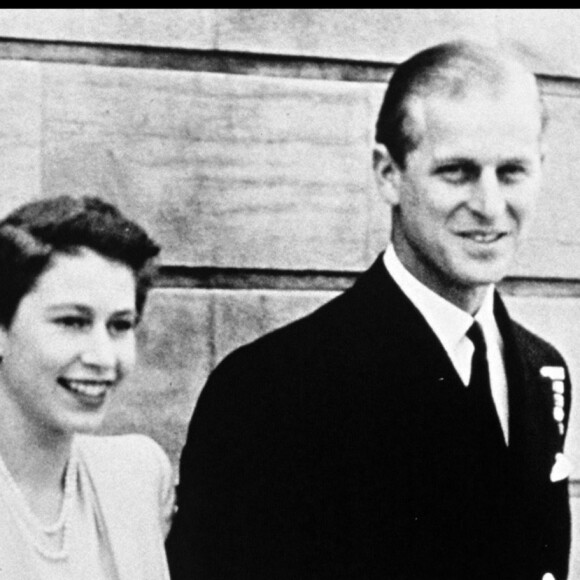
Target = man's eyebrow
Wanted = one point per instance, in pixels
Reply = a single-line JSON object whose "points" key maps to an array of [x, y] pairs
{"points": [[126, 312], [70, 306], [516, 161], [467, 162], [442, 162]]}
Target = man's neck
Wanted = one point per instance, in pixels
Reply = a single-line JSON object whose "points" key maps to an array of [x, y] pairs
{"points": [[469, 303], [467, 298]]}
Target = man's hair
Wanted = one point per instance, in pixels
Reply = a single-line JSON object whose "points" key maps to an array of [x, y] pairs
{"points": [[34, 233], [450, 70]]}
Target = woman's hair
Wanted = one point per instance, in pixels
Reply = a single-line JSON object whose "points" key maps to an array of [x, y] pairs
{"points": [[34, 233]]}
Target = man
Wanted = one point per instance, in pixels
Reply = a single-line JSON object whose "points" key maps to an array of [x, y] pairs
{"points": [[382, 436]]}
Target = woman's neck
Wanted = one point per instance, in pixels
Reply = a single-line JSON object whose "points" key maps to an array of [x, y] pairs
{"points": [[36, 460]]}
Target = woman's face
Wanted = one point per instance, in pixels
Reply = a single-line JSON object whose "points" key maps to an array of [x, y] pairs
{"points": [[70, 344]]}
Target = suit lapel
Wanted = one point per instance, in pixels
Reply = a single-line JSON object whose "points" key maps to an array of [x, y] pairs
{"points": [[413, 372], [531, 445], [417, 396], [395, 330], [398, 339], [395, 334]]}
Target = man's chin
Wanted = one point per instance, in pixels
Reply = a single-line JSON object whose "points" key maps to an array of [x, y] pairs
{"points": [[478, 278]]}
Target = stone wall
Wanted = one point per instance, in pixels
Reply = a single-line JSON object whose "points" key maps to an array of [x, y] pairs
{"points": [[241, 139]]}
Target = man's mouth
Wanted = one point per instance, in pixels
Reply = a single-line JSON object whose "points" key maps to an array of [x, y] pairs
{"points": [[95, 389], [483, 237]]}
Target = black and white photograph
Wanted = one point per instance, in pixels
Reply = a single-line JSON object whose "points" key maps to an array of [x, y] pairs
{"points": [[289, 294]]}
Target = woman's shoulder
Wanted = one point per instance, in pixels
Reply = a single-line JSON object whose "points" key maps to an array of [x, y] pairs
{"points": [[128, 472], [127, 453]]}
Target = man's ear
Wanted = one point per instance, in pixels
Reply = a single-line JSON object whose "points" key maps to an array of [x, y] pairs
{"points": [[543, 151], [3, 339], [387, 175]]}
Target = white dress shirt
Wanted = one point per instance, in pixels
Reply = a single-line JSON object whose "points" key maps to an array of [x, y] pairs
{"points": [[450, 324]]}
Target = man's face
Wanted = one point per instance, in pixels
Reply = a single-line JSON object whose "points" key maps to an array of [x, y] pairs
{"points": [[468, 189]]}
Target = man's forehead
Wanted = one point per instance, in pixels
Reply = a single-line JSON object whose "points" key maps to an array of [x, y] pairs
{"points": [[512, 108], [468, 77]]}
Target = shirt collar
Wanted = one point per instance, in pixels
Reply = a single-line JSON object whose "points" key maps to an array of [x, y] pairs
{"points": [[486, 318], [447, 321]]}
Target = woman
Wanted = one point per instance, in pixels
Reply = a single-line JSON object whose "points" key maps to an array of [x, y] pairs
{"points": [[74, 274]]}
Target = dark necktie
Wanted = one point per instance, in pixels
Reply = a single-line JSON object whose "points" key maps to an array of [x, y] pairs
{"points": [[479, 379], [479, 388], [490, 474]]}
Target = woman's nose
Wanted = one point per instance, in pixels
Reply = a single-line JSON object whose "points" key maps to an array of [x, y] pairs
{"points": [[99, 349]]}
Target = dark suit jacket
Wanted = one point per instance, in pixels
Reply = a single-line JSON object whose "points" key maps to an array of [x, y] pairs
{"points": [[340, 447]]}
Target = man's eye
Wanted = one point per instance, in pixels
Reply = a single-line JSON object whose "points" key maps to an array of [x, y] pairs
{"points": [[73, 322], [511, 173], [455, 173]]}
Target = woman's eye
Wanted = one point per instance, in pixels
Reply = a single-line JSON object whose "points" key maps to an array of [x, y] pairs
{"points": [[73, 322], [122, 326]]}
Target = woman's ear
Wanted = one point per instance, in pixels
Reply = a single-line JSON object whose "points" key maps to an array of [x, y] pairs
{"points": [[387, 175]]}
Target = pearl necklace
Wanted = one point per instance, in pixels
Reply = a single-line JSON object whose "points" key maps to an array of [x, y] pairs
{"points": [[29, 523]]}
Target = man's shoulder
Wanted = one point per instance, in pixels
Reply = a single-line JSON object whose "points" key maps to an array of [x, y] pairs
{"points": [[339, 322], [321, 344], [536, 348], [533, 348], [315, 331], [371, 319]]}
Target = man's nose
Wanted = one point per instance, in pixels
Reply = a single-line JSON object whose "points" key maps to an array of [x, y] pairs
{"points": [[99, 349], [488, 197]]}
